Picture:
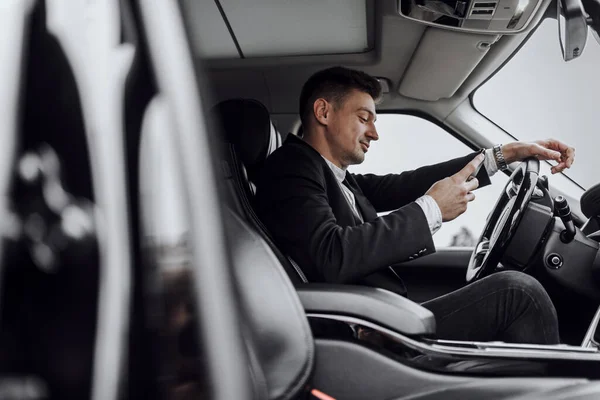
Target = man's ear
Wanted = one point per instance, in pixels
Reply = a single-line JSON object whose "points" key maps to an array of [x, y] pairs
{"points": [[322, 111]]}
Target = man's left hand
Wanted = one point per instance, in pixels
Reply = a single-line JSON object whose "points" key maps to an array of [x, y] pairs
{"points": [[549, 149]]}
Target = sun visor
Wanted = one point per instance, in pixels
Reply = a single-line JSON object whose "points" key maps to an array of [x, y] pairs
{"points": [[442, 62]]}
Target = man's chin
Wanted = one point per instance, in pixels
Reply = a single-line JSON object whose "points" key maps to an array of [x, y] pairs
{"points": [[357, 159]]}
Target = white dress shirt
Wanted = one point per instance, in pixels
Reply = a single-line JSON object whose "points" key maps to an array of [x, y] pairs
{"points": [[427, 203], [340, 175]]}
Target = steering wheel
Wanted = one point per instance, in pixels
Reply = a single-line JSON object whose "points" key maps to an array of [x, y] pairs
{"points": [[504, 219]]}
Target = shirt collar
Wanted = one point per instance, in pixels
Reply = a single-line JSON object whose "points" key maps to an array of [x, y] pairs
{"points": [[339, 173]]}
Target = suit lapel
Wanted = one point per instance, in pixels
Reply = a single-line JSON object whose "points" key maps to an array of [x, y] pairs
{"points": [[364, 206]]}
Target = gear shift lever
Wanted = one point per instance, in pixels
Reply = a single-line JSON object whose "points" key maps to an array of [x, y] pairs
{"points": [[562, 209]]}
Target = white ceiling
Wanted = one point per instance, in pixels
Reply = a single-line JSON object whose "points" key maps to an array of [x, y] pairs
{"points": [[210, 36], [270, 28], [429, 69]]}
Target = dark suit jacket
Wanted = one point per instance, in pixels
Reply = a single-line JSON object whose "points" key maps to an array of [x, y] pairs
{"points": [[301, 203]]}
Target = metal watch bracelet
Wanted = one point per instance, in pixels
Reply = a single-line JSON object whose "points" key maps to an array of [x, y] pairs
{"points": [[499, 157]]}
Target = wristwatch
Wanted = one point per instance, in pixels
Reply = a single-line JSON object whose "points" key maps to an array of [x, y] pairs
{"points": [[499, 157]]}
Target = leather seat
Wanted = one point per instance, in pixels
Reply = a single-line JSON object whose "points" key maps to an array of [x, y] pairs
{"points": [[248, 128], [249, 137]]}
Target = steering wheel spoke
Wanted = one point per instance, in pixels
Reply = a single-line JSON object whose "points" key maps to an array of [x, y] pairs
{"points": [[482, 248]]}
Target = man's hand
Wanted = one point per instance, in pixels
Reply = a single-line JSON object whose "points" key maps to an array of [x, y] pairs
{"points": [[453, 193], [549, 149]]}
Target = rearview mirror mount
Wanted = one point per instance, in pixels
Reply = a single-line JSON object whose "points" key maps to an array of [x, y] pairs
{"points": [[572, 28]]}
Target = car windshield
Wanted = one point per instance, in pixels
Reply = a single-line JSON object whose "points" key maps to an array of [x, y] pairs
{"points": [[538, 95]]}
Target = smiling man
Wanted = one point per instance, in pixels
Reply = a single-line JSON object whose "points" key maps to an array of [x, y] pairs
{"points": [[325, 218]]}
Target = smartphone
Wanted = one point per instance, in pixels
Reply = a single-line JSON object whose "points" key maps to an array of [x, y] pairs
{"points": [[474, 174]]}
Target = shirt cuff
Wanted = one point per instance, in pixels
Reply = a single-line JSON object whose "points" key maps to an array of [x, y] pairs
{"points": [[432, 212], [489, 162]]}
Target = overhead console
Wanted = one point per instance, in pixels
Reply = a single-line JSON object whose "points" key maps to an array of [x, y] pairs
{"points": [[442, 62], [482, 16], [447, 56]]}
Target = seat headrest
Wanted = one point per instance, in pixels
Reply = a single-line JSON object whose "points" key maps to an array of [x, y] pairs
{"points": [[248, 127]]}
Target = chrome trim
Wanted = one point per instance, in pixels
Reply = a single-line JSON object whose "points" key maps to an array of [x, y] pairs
{"points": [[588, 339], [513, 189], [482, 248], [504, 345], [477, 349]]}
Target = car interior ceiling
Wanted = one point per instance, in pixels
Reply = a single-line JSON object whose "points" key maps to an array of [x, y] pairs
{"points": [[417, 79]]}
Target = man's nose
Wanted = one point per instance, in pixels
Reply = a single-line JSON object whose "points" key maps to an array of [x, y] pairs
{"points": [[372, 133]]}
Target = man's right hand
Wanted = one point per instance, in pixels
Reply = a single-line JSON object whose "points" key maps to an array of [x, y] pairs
{"points": [[452, 194]]}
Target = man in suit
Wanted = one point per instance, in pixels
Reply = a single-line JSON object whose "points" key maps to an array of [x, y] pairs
{"points": [[326, 218]]}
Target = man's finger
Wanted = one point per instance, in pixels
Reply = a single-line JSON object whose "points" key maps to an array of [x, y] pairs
{"points": [[570, 153], [566, 161], [470, 196], [472, 184], [554, 144], [470, 168], [545, 153]]}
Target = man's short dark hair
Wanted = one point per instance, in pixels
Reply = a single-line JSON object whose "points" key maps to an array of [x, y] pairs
{"points": [[334, 84]]}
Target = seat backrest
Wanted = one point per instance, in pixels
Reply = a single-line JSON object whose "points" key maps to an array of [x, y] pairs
{"points": [[276, 331], [247, 126], [250, 137]]}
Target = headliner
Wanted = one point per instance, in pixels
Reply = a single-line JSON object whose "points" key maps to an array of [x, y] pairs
{"points": [[429, 69]]}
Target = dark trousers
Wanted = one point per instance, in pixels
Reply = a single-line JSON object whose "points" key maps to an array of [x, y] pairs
{"points": [[507, 306]]}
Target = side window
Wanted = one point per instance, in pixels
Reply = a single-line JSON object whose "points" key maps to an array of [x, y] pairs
{"points": [[537, 95], [407, 142]]}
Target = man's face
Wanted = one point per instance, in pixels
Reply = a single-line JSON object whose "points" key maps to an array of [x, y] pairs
{"points": [[352, 127]]}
